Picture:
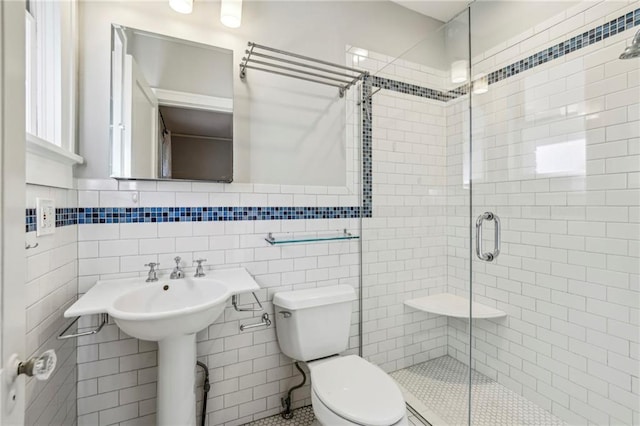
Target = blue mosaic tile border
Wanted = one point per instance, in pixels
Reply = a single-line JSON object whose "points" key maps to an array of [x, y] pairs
{"points": [[66, 216], [30, 220], [367, 148], [410, 89], [72, 216], [587, 38], [599, 33], [210, 214], [98, 215], [578, 42]]}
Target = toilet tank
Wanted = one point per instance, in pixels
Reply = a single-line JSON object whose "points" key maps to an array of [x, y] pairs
{"points": [[313, 323]]}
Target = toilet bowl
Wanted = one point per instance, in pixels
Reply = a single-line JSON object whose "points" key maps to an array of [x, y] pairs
{"points": [[313, 326], [351, 391]]}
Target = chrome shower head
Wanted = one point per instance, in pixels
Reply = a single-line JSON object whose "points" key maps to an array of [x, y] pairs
{"points": [[632, 51]]}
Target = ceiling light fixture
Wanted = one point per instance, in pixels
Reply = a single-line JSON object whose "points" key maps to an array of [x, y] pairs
{"points": [[231, 13], [459, 71], [182, 6]]}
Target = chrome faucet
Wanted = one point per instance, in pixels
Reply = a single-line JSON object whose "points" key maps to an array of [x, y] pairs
{"points": [[177, 272], [153, 273], [199, 269]]}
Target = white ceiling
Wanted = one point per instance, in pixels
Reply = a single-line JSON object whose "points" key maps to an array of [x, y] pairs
{"points": [[442, 10]]}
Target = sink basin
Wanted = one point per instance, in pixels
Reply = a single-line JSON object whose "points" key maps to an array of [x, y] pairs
{"points": [[169, 308], [170, 312]]}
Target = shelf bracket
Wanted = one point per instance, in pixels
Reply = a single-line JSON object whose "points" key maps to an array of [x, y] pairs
{"points": [[234, 302]]}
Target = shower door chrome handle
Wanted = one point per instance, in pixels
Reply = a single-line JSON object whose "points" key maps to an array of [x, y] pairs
{"points": [[488, 256]]}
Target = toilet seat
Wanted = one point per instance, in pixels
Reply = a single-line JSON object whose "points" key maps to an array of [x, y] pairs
{"points": [[357, 391]]}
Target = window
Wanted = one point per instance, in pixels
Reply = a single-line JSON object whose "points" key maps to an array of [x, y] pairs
{"points": [[44, 66], [50, 89]]}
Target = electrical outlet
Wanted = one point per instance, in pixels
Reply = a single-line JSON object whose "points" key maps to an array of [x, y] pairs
{"points": [[46, 217]]}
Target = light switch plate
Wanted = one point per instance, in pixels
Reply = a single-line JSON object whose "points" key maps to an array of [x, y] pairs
{"points": [[46, 217]]}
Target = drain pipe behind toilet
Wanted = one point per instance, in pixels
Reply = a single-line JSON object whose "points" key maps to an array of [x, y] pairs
{"points": [[205, 391]]}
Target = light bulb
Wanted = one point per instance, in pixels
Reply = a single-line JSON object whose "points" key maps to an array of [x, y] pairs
{"points": [[181, 6], [231, 13]]}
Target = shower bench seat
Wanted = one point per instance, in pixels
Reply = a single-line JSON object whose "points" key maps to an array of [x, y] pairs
{"points": [[452, 305]]}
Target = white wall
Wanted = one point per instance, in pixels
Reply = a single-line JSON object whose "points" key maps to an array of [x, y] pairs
{"points": [[404, 239], [51, 287], [514, 19], [286, 131], [249, 375]]}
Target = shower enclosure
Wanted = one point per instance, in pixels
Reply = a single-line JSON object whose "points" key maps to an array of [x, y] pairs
{"points": [[501, 218]]}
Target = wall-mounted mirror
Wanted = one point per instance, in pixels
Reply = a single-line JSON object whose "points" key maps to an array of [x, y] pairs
{"points": [[171, 108]]}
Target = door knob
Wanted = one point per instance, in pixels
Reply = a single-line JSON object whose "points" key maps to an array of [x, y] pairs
{"points": [[41, 367]]}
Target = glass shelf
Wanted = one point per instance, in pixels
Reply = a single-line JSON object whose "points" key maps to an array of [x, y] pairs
{"points": [[293, 239]]}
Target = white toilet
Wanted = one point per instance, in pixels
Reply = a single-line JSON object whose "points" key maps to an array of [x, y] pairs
{"points": [[313, 326]]}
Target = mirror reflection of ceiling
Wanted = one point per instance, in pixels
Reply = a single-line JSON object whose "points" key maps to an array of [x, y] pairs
{"points": [[162, 61], [212, 124]]}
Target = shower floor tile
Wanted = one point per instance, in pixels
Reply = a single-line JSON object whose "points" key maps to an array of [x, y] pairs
{"points": [[304, 417], [437, 389]]}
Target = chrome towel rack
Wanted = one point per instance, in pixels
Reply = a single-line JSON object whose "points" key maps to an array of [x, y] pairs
{"points": [[288, 64], [104, 318]]}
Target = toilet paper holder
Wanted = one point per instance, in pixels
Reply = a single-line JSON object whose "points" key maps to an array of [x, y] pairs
{"points": [[266, 322]]}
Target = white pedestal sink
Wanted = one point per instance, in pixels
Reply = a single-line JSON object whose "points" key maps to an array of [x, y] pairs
{"points": [[170, 312]]}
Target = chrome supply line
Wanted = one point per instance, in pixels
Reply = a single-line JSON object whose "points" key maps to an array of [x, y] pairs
{"points": [[304, 68]]}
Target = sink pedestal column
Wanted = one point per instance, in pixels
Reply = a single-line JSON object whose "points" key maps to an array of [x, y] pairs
{"points": [[176, 381]]}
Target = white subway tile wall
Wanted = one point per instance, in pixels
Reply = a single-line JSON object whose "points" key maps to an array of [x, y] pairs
{"points": [[117, 374], [554, 155], [567, 277], [404, 242], [51, 287]]}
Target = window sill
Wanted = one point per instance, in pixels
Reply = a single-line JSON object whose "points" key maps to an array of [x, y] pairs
{"points": [[48, 164]]}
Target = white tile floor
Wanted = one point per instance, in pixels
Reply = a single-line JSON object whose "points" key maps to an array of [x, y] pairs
{"points": [[437, 389], [301, 417], [304, 417]]}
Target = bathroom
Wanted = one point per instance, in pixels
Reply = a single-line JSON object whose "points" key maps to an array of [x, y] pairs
{"points": [[515, 122]]}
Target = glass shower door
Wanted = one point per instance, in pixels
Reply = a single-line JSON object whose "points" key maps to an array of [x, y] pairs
{"points": [[554, 166], [409, 109]]}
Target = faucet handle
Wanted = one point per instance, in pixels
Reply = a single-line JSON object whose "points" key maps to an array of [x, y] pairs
{"points": [[177, 259], [152, 277], [199, 271]]}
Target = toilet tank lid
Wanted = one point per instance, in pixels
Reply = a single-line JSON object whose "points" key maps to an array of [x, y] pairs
{"points": [[309, 298]]}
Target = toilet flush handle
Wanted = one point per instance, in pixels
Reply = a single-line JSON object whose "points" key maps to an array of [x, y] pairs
{"points": [[285, 314]]}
